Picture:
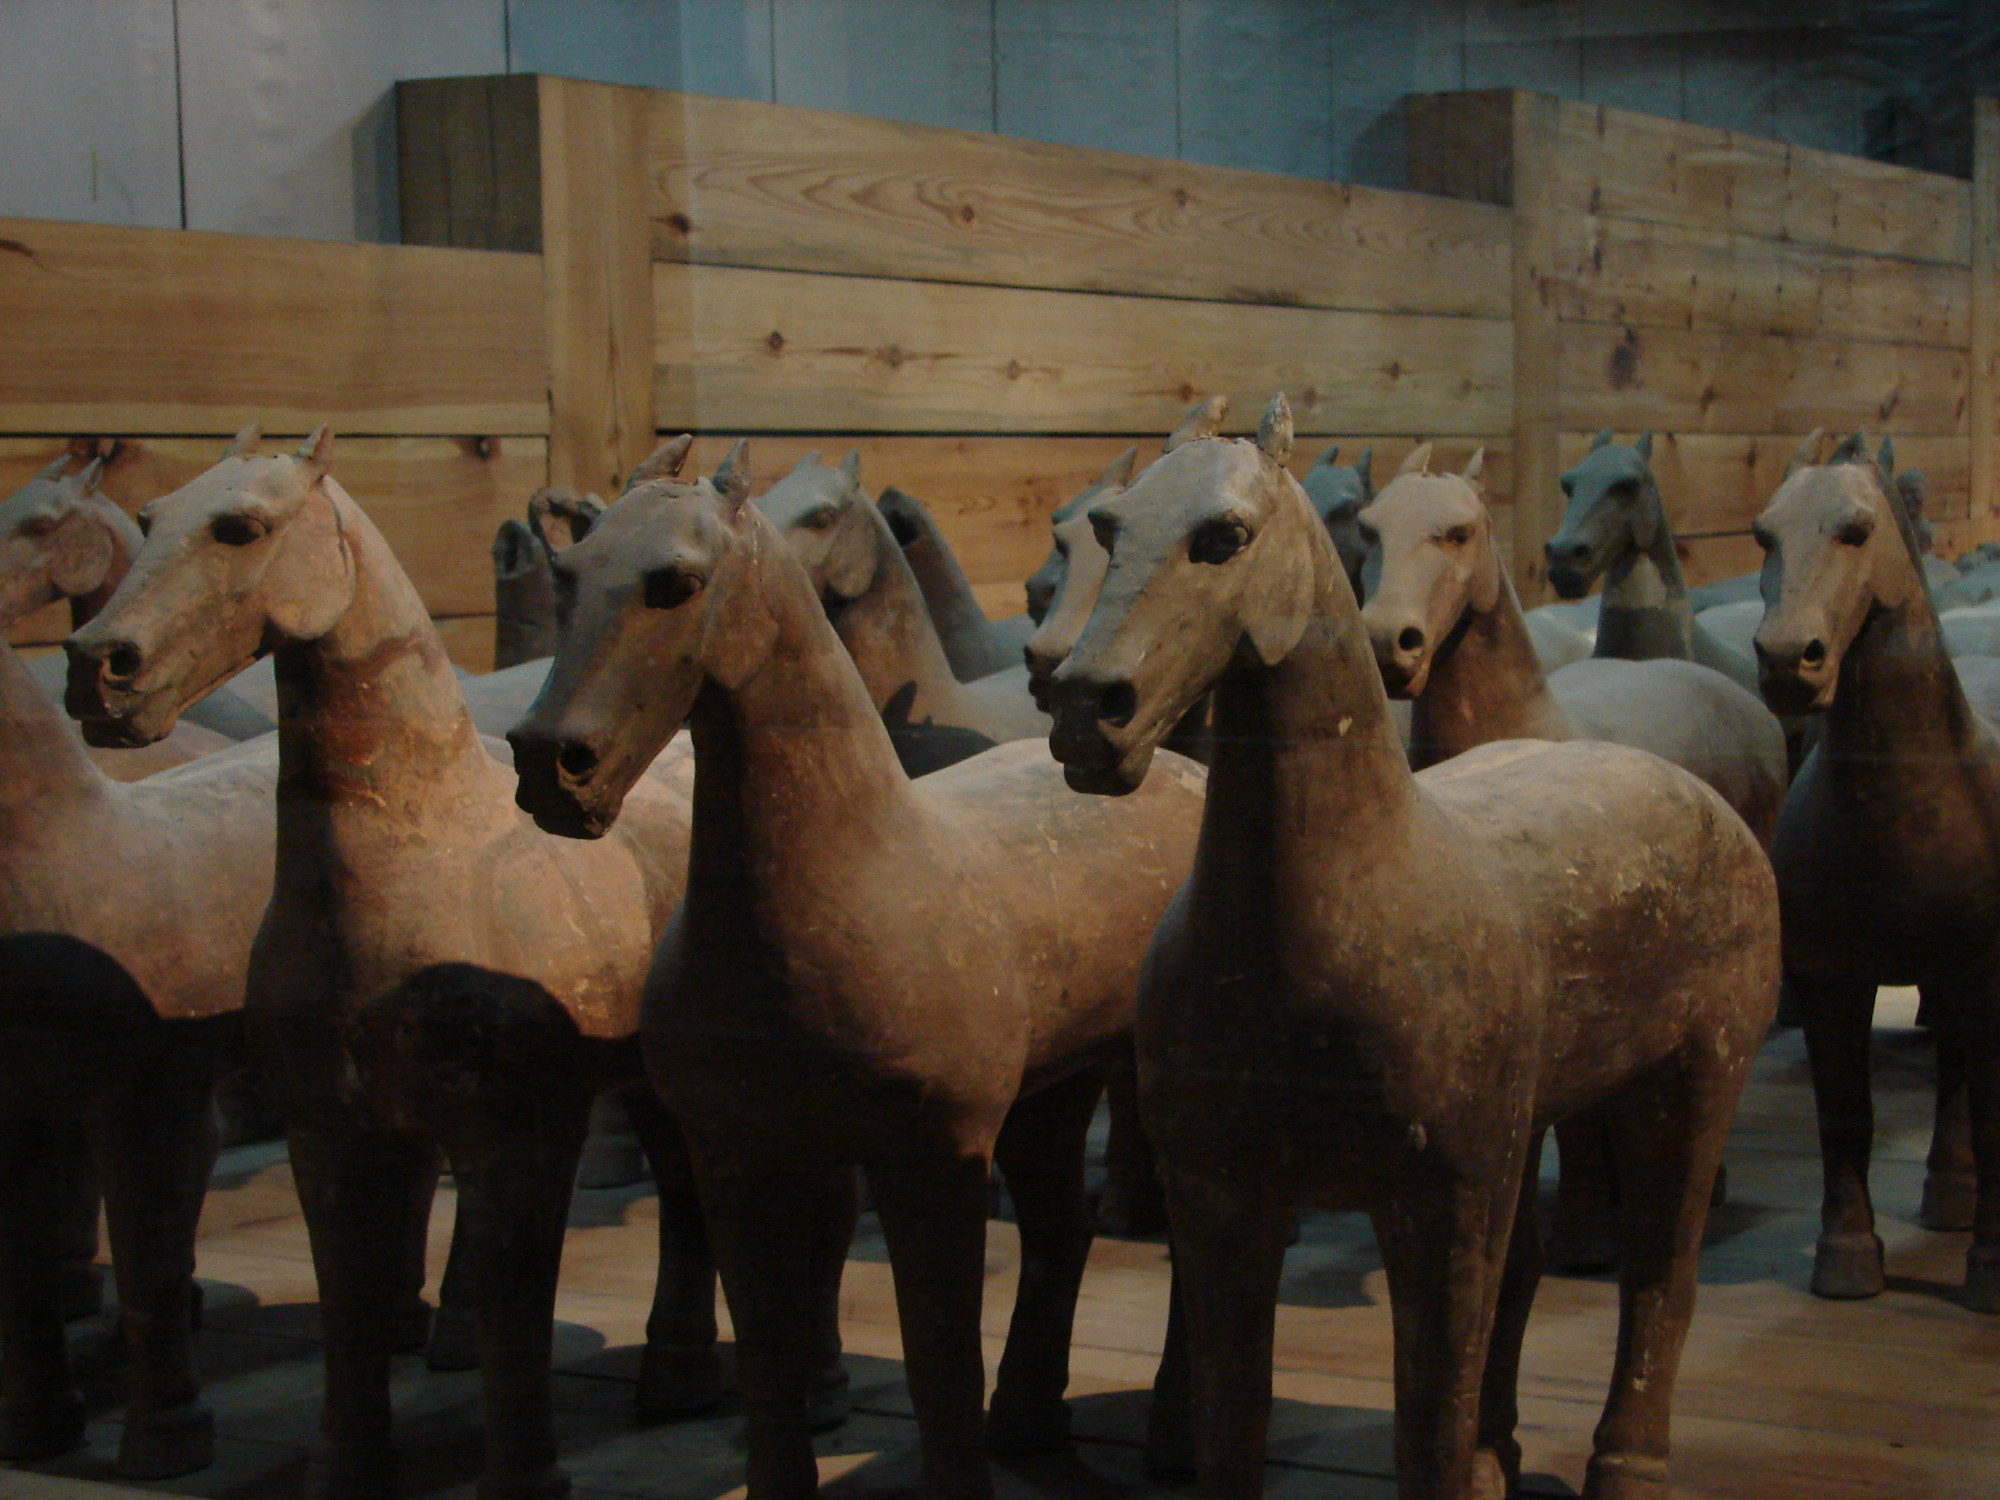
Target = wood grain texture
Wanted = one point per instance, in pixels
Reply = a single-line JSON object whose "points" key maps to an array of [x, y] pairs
{"points": [[1461, 144], [992, 496], [1704, 559], [437, 500], [1538, 371], [1718, 482], [1643, 167], [743, 183], [749, 349], [599, 301], [113, 329], [1984, 413], [469, 162], [1707, 381], [468, 640], [1655, 275]]}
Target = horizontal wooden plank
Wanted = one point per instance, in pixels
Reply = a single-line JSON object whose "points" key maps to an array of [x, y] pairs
{"points": [[749, 349], [1950, 538], [437, 500], [468, 640], [992, 495], [1613, 270], [1644, 167], [1705, 559], [1718, 482], [105, 328], [1705, 381], [743, 183]]}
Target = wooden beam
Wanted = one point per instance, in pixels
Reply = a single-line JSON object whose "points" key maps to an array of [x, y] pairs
{"points": [[1534, 137], [1983, 415], [469, 158], [776, 350], [743, 183], [598, 293], [105, 328], [1461, 145]]}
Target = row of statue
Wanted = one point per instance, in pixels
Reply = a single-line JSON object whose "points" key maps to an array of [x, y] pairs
{"points": [[858, 915]]}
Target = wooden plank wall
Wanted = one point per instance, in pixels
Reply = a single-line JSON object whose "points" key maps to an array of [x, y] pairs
{"points": [[153, 346], [988, 320], [1729, 293]]}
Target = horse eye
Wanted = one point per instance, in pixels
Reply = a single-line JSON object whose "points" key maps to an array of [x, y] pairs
{"points": [[821, 519], [667, 588], [1105, 529], [36, 526], [1854, 533], [1217, 541], [1458, 536], [237, 530]]}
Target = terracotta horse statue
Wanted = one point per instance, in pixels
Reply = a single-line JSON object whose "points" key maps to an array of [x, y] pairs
{"points": [[480, 978], [1378, 989], [1448, 634], [1046, 582], [872, 597], [916, 976], [1615, 527], [1887, 850], [974, 645], [126, 914], [524, 607]]}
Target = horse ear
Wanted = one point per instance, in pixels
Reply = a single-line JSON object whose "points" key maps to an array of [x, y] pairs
{"points": [[1274, 432], [1118, 473], [1885, 456], [86, 479], [244, 444], [1203, 420], [732, 475], [1365, 467], [1470, 473], [316, 452], [851, 465], [1644, 447], [1807, 453], [1853, 449], [558, 517], [664, 462], [806, 461], [1484, 596], [1285, 595], [1602, 439], [54, 468], [1418, 461], [1329, 458]]}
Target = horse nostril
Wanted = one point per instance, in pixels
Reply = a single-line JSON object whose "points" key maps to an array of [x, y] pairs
{"points": [[1117, 703], [1410, 639], [1814, 654], [576, 760], [122, 663]]}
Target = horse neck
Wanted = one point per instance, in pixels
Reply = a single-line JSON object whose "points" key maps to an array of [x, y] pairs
{"points": [[888, 631], [1486, 684], [947, 593], [43, 765], [793, 758], [126, 540], [371, 712], [1898, 706], [1306, 758], [1645, 607]]}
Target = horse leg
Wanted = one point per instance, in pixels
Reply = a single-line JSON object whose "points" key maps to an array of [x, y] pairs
{"points": [[1838, 1016], [680, 1374], [1668, 1132], [833, 1233], [1229, 1249], [764, 1221], [1979, 1028], [1951, 1183], [1040, 1152], [1170, 1415], [1131, 1201], [454, 1341], [1499, 1407], [1445, 1252], [155, 1137], [933, 1209], [411, 1330], [82, 1278], [356, 1186], [1583, 1238], [41, 1410]]}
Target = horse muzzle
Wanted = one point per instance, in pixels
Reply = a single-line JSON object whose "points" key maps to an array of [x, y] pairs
{"points": [[561, 784], [104, 695]]}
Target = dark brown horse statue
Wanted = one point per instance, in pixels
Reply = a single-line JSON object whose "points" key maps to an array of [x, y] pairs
{"points": [[1887, 850], [916, 976], [974, 645], [1339, 493], [480, 978], [126, 914], [1377, 990], [524, 601], [851, 556]]}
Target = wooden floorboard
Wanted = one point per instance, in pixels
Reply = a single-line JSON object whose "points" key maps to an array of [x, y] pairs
{"points": [[1781, 1396]]}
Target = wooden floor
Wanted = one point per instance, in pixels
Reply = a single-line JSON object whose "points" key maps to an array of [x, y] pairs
{"points": [[1781, 1395]]}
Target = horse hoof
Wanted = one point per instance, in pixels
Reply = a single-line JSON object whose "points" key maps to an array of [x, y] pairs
{"points": [[82, 1290], [1982, 1282], [1847, 1266], [1626, 1476], [830, 1404], [31, 1430], [1949, 1200], [1489, 1477], [1169, 1433], [161, 1444], [542, 1484], [453, 1344], [677, 1383], [1018, 1427]]}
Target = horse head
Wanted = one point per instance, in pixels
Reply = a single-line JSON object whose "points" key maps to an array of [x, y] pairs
{"points": [[1613, 509], [1340, 492], [61, 538], [1432, 558]]}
